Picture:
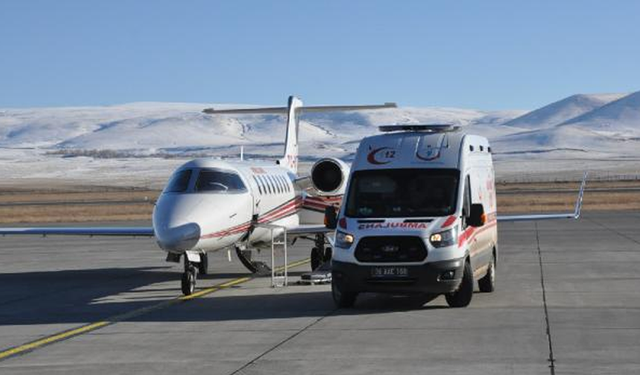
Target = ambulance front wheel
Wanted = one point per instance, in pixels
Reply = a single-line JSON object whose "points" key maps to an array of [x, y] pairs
{"points": [[462, 296], [341, 298]]}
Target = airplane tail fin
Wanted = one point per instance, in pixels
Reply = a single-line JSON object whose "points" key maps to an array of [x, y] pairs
{"points": [[293, 111], [290, 157]]}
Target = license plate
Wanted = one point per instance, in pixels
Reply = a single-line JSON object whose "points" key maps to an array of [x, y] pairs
{"points": [[389, 272]]}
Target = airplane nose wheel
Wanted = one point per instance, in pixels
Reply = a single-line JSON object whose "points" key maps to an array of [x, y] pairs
{"points": [[189, 277], [189, 280]]}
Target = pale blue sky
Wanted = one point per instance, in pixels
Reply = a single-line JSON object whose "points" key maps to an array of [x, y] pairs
{"points": [[475, 54]]}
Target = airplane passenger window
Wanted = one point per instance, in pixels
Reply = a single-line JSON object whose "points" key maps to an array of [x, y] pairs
{"points": [[273, 185], [286, 184], [265, 184], [275, 188], [179, 182], [279, 183], [258, 183], [217, 181]]}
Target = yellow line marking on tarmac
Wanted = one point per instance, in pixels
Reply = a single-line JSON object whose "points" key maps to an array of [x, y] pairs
{"points": [[51, 339], [33, 345]]}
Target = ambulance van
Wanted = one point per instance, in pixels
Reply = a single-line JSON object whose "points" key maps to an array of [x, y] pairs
{"points": [[418, 216]]}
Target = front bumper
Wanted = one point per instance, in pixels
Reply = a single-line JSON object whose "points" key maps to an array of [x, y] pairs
{"points": [[423, 278]]}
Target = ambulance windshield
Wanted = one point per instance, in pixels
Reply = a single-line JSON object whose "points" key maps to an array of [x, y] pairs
{"points": [[387, 193]]}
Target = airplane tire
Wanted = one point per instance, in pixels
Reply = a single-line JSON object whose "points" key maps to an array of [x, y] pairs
{"points": [[488, 283], [462, 296], [328, 253], [316, 258], [341, 298], [203, 266], [189, 282]]}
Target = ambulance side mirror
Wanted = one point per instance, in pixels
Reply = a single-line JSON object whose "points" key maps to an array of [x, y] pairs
{"points": [[477, 218], [330, 217]]}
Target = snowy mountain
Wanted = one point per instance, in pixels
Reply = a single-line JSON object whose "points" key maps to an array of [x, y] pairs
{"points": [[140, 143], [620, 118], [146, 128], [562, 110], [566, 140]]}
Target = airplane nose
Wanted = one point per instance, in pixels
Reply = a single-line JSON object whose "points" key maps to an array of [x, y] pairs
{"points": [[178, 239]]}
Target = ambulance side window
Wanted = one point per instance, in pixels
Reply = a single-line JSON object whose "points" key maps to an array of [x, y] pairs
{"points": [[466, 203]]}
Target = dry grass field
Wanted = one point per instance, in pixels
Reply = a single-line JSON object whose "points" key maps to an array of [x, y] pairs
{"points": [[49, 206], [548, 197], [86, 204]]}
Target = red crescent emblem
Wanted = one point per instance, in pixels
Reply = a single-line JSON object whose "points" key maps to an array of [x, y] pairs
{"points": [[371, 158]]}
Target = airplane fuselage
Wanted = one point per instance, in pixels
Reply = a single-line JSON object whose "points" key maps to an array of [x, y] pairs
{"points": [[211, 204]]}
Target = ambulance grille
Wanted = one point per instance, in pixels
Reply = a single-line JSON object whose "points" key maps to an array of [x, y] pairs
{"points": [[391, 249]]}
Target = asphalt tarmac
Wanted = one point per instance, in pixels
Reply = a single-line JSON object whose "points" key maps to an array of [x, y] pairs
{"points": [[567, 302]]}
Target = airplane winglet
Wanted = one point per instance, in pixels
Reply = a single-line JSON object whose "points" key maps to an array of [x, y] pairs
{"points": [[567, 215], [578, 209]]}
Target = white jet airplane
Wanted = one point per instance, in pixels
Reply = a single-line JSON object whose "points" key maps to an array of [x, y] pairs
{"points": [[210, 205]]}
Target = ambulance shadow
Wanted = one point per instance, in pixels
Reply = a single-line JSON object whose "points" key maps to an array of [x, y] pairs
{"points": [[265, 308]]}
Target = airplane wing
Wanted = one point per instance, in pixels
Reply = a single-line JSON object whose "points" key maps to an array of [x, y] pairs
{"points": [[568, 215], [303, 230], [81, 231]]}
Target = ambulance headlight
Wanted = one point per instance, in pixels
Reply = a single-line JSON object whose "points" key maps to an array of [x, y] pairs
{"points": [[442, 239], [344, 240]]}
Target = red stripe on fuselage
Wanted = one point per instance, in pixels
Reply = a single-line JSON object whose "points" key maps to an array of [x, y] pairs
{"points": [[279, 212]]}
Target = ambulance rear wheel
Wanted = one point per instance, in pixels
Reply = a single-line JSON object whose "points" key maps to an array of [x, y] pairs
{"points": [[189, 281], [488, 283], [316, 258], [462, 296], [342, 298]]}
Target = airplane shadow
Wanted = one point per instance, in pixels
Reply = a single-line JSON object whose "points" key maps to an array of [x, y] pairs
{"points": [[81, 296]]}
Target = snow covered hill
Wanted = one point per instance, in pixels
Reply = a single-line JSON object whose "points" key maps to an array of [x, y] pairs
{"points": [[147, 140], [620, 118], [181, 128], [562, 110]]}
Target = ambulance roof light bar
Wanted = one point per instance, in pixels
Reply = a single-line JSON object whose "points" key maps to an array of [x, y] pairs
{"points": [[429, 128]]}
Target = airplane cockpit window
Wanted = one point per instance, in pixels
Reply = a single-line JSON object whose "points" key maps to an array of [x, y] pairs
{"points": [[217, 181], [179, 182]]}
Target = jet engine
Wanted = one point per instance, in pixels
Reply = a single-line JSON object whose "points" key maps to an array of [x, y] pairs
{"points": [[329, 176]]}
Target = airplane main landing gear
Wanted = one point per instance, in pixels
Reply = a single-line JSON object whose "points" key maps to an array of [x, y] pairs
{"points": [[320, 254], [254, 266]]}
